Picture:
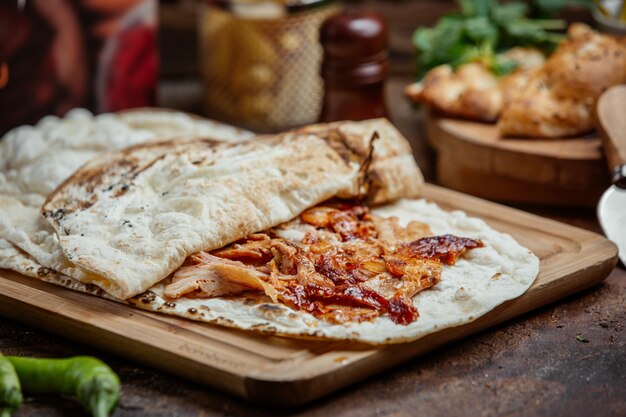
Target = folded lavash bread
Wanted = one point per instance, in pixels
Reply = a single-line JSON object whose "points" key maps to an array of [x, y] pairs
{"points": [[34, 160], [392, 170], [478, 282], [128, 219]]}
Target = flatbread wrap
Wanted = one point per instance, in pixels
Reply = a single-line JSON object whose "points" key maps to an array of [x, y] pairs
{"points": [[127, 220], [304, 234]]}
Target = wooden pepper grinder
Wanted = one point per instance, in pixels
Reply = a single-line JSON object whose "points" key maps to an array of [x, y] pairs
{"points": [[355, 65]]}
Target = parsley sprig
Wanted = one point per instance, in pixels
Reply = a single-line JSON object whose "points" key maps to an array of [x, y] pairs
{"points": [[482, 31]]}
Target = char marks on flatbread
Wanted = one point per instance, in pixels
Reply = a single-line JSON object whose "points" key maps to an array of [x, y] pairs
{"points": [[34, 160], [127, 220], [392, 170]]}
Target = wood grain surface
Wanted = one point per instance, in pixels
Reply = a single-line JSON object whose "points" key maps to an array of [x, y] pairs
{"points": [[474, 159], [276, 370]]}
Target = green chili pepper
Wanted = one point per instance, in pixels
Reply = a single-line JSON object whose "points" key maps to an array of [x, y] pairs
{"points": [[10, 391], [93, 383]]}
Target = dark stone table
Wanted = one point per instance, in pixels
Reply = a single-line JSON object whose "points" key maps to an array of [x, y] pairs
{"points": [[531, 366]]}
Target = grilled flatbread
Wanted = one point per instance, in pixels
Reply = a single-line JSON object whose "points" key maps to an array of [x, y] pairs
{"points": [[34, 160], [461, 290], [127, 220], [387, 275]]}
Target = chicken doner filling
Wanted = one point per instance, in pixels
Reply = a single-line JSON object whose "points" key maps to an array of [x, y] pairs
{"points": [[338, 262]]}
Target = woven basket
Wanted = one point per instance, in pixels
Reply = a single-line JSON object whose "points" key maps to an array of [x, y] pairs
{"points": [[262, 73]]}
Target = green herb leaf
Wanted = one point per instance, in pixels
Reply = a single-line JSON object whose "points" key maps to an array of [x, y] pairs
{"points": [[523, 28], [422, 39], [476, 7], [502, 65], [580, 338], [479, 32], [526, 32], [507, 12], [438, 45], [480, 29]]}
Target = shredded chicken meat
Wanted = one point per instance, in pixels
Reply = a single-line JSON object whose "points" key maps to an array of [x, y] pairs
{"points": [[339, 262]]}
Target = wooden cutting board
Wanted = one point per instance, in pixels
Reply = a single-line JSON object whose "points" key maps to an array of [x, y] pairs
{"points": [[474, 159], [282, 371]]}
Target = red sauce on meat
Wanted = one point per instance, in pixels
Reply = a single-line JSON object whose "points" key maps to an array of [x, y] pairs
{"points": [[347, 262], [401, 312], [446, 248]]}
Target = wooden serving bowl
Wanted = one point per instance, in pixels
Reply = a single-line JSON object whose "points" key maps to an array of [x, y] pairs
{"points": [[474, 159]]}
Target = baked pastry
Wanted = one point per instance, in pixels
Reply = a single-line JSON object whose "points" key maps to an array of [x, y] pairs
{"points": [[558, 99], [473, 91]]}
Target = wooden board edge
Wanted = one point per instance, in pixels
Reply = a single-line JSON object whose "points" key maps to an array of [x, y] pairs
{"points": [[513, 191], [121, 345], [266, 389], [545, 169], [437, 124], [262, 388]]}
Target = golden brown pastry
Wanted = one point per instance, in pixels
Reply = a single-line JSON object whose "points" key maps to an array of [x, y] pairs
{"points": [[559, 98], [473, 91]]}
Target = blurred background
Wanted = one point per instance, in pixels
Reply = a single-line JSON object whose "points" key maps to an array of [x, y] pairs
{"points": [[252, 63], [59, 54], [259, 59]]}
